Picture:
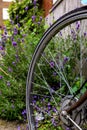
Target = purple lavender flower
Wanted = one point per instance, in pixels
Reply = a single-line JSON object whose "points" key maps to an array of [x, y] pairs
{"points": [[34, 2], [18, 25], [60, 33], [18, 128], [33, 18], [46, 18], [16, 16], [10, 69], [12, 22], [77, 25], [85, 34], [34, 101], [72, 32], [1, 76], [38, 23], [16, 55], [15, 28], [8, 83], [1, 48], [3, 53], [52, 64], [55, 110], [74, 37], [49, 106], [14, 43], [14, 63], [5, 32], [4, 27], [40, 18], [4, 38], [26, 8], [36, 123], [24, 112], [22, 40], [68, 128], [24, 35], [53, 121], [66, 59], [15, 31]]}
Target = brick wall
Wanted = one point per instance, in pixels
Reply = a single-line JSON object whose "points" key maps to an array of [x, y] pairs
{"points": [[3, 5], [47, 5]]}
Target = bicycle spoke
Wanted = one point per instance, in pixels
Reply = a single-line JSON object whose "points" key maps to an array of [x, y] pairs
{"points": [[61, 75], [44, 87], [57, 75]]}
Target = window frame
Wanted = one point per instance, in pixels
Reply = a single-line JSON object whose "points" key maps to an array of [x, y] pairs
{"points": [[57, 2], [54, 1], [5, 14]]}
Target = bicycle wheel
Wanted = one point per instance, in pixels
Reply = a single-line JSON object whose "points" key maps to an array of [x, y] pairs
{"points": [[57, 70]]}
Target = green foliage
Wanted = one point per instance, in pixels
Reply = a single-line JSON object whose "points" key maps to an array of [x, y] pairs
{"points": [[26, 13], [20, 37]]}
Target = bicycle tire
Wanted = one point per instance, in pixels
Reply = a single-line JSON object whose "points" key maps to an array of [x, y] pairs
{"points": [[69, 18]]}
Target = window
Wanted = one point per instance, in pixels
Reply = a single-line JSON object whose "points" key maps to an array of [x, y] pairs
{"points": [[5, 14], [54, 1]]}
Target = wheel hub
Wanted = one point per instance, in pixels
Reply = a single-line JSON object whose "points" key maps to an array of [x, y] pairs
{"points": [[65, 104]]}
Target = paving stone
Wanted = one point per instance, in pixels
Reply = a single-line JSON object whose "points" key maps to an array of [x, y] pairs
{"points": [[5, 125]]}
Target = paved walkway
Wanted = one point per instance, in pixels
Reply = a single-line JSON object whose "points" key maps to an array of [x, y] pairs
{"points": [[4, 125]]}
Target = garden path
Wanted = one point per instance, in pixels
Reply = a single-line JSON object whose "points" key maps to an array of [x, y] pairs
{"points": [[5, 125]]}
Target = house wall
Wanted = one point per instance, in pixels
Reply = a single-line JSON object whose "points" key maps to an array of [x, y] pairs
{"points": [[3, 5], [61, 8]]}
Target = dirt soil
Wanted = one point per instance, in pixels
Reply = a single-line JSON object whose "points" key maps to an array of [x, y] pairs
{"points": [[5, 125]]}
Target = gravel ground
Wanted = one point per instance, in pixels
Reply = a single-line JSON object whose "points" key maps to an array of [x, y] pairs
{"points": [[5, 125]]}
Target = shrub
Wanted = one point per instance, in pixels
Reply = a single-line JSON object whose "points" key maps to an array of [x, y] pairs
{"points": [[19, 39]]}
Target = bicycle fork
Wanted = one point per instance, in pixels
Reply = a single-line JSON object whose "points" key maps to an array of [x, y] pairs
{"points": [[64, 113], [73, 107]]}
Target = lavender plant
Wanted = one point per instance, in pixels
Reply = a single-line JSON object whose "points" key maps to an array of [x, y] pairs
{"points": [[19, 38]]}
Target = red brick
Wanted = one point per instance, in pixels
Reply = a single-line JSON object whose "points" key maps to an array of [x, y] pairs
{"points": [[47, 5]]}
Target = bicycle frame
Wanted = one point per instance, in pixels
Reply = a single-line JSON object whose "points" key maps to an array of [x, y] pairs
{"points": [[78, 103]]}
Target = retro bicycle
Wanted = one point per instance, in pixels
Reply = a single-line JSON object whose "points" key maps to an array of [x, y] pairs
{"points": [[56, 90]]}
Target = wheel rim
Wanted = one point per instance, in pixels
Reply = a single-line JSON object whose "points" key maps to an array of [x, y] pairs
{"points": [[59, 73]]}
